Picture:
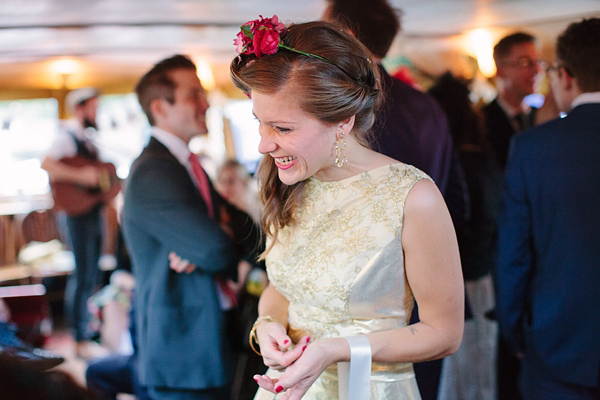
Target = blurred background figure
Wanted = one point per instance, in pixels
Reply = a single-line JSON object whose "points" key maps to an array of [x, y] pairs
{"points": [[171, 208], [517, 66], [470, 373], [71, 160], [110, 309], [239, 188]]}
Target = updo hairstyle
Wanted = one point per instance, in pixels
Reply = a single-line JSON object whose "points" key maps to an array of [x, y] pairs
{"points": [[346, 83]]}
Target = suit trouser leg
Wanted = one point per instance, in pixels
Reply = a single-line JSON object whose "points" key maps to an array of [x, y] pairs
{"points": [[85, 234], [507, 374], [109, 376], [106, 377]]}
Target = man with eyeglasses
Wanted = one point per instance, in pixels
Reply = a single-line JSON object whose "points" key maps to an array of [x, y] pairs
{"points": [[517, 65], [548, 286]]}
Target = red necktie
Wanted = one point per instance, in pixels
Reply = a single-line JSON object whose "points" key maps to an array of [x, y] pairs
{"points": [[202, 181], [204, 189]]}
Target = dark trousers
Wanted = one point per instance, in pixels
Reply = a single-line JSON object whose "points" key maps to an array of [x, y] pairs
{"points": [[537, 384], [85, 235], [508, 372], [109, 376], [173, 394]]}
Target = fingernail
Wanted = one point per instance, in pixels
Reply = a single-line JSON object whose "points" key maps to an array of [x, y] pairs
{"points": [[278, 389], [286, 341], [308, 339], [304, 348], [256, 380]]}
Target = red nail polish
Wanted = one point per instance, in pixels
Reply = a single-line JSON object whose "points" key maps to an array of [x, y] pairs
{"points": [[304, 348], [286, 341], [255, 380], [278, 389], [308, 339]]}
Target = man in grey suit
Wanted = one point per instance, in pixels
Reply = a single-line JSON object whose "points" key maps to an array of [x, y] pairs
{"points": [[549, 265], [171, 206]]}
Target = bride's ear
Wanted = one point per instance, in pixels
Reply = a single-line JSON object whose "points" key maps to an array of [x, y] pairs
{"points": [[346, 125]]}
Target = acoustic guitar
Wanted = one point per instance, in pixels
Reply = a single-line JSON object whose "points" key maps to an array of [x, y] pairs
{"points": [[76, 199]]}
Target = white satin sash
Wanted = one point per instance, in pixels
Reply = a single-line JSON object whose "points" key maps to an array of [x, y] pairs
{"points": [[354, 377]]}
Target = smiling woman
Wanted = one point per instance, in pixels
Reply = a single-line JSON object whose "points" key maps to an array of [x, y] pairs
{"points": [[352, 234]]}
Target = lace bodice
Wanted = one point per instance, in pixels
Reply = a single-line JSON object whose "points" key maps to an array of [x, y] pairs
{"points": [[341, 264]]}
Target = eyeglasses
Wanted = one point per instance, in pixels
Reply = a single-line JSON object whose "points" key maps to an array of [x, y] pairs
{"points": [[526, 62], [556, 67]]}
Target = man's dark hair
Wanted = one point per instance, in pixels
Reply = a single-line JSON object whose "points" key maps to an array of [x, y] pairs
{"points": [[578, 49], [157, 83], [375, 23], [505, 45]]}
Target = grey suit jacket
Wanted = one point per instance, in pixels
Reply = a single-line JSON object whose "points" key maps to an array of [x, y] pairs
{"points": [[179, 320]]}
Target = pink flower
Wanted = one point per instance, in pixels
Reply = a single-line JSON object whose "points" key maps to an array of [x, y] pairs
{"points": [[265, 41], [260, 36], [241, 41]]}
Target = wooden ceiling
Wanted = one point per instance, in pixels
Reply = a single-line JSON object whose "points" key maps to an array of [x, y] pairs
{"points": [[115, 41]]}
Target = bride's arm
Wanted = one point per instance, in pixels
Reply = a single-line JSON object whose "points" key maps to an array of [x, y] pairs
{"points": [[271, 330], [273, 304], [434, 274]]}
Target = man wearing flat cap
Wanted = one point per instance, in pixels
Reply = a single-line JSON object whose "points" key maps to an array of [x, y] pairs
{"points": [[84, 229]]}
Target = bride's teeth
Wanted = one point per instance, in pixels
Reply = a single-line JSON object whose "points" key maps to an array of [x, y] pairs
{"points": [[286, 160]]}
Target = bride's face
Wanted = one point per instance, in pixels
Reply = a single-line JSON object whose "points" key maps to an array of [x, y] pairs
{"points": [[301, 146]]}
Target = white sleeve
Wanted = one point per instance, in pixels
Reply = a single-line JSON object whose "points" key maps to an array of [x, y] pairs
{"points": [[63, 146]]}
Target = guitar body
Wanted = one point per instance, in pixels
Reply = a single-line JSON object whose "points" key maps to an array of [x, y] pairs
{"points": [[77, 199]]}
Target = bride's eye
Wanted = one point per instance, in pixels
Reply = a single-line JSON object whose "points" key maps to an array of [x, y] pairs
{"points": [[281, 130]]}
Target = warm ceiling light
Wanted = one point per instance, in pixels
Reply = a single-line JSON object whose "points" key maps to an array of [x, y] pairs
{"points": [[205, 74], [65, 66], [480, 46]]}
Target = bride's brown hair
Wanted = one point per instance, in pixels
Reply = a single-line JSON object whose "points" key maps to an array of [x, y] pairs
{"points": [[346, 83]]}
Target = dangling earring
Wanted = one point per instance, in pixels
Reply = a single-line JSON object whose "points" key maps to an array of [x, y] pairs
{"points": [[340, 151]]}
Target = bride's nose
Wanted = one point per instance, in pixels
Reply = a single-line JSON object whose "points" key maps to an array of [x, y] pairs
{"points": [[267, 142]]}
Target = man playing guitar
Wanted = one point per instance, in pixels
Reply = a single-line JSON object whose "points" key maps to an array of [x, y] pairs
{"points": [[85, 226]]}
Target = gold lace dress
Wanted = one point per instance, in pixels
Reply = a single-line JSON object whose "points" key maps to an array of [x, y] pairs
{"points": [[341, 267]]}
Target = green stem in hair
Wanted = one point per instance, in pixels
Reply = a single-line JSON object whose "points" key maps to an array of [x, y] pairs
{"points": [[283, 46]]}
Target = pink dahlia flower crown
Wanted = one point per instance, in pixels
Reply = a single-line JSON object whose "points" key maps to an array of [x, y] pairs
{"points": [[265, 36]]}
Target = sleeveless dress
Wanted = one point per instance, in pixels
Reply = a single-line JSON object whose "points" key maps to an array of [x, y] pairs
{"points": [[341, 266]]}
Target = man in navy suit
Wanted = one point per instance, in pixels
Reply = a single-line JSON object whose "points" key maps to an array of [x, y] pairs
{"points": [[549, 263], [170, 206]]}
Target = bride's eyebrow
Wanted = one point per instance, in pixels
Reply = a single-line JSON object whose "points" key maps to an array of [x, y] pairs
{"points": [[274, 122]]}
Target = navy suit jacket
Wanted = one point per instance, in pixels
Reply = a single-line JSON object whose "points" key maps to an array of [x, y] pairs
{"points": [[548, 274], [412, 127], [178, 317]]}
